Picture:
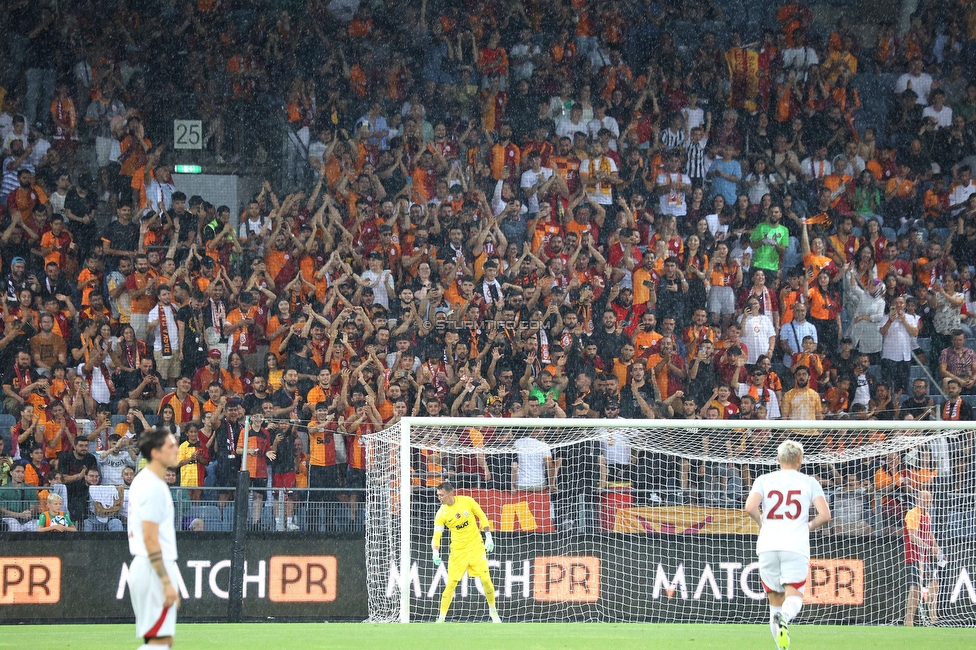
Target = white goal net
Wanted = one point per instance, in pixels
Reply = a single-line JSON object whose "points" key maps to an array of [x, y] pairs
{"points": [[642, 520]]}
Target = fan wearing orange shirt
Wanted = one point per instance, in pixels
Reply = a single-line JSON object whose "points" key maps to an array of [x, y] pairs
{"points": [[504, 157], [365, 420], [56, 243], [239, 325], [141, 288], [809, 358], [814, 259], [667, 368], [27, 195]]}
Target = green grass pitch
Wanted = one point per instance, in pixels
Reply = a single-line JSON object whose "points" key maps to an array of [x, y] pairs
{"points": [[517, 636]]}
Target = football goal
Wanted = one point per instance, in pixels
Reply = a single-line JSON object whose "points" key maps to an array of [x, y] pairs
{"points": [[642, 520]]}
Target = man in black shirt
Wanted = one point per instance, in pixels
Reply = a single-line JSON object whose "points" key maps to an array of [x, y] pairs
{"points": [[144, 387], [193, 345], [54, 283], [187, 218], [73, 466], [702, 377], [17, 279], [671, 289], [609, 338], [639, 385], [282, 465], [301, 361], [259, 393], [918, 405], [121, 238], [227, 430], [845, 361], [287, 399]]}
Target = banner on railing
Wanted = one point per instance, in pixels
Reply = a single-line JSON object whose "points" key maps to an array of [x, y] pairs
{"points": [[684, 520], [523, 512]]}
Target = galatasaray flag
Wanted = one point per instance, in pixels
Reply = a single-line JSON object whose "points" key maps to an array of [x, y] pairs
{"points": [[749, 72]]}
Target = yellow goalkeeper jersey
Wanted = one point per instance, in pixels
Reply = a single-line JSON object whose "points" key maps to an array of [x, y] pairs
{"points": [[462, 521]]}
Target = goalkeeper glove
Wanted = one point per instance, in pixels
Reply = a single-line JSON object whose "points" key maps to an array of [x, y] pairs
{"points": [[437, 558], [489, 543]]}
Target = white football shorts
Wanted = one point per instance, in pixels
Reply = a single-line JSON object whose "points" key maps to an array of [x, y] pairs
{"points": [[146, 592], [777, 569]]}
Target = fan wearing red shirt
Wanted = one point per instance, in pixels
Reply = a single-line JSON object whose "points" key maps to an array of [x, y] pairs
{"points": [[27, 195], [618, 258]]}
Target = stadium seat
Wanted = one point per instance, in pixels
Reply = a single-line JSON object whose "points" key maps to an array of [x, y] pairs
{"points": [[209, 514], [118, 419], [152, 419], [925, 344], [6, 422], [226, 522]]}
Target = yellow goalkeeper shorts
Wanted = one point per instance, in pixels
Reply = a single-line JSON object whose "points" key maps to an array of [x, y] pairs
{"points": [[474, 562]]}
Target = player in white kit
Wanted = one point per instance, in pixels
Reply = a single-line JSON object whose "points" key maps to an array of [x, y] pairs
{"points": [[783, 546], [152, 541]]}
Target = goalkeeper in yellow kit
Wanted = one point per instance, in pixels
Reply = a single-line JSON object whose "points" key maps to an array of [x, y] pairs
{"points": [[461, 515]]}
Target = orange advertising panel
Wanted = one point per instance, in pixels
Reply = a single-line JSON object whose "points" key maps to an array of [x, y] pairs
{"points": [[684, 520], [302, 578], [520, 512], [30, 580], [566, 579], [835, 582]]}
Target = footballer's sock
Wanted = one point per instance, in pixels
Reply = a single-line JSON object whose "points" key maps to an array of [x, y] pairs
{"points": [[773, 611], [791, 607], [489, 592], [447, 597]]}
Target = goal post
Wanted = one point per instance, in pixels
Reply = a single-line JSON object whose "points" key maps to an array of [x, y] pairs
{"points": [[641, 520]]}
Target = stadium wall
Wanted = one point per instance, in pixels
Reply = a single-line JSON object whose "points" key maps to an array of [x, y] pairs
{"points": [[691, 577]]}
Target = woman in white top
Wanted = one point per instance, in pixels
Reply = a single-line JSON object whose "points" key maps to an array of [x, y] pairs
{"points": [[866, 306], [758, 182], [378, 279]]}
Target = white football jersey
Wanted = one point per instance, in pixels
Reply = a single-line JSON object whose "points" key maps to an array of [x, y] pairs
{"points": [[787, 496], [150, 500]]}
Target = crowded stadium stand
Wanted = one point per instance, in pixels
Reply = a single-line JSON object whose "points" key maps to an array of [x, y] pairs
{"points": [[313, 219]]}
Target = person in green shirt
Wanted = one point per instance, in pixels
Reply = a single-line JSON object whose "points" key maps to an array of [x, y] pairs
{"points": [[967, 107], [18, 502], [773, 237]]}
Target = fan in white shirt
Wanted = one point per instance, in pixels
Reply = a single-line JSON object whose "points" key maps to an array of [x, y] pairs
{"points": [[816, 167], [603, 121], [917, 81], [785, 498], [938, 111]]}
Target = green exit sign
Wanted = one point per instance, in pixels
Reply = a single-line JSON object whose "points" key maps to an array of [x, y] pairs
{"points": [[187, 169]]}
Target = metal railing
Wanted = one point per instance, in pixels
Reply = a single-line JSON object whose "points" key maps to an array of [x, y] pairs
{"points": [[317, 510], [856, 511]]}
